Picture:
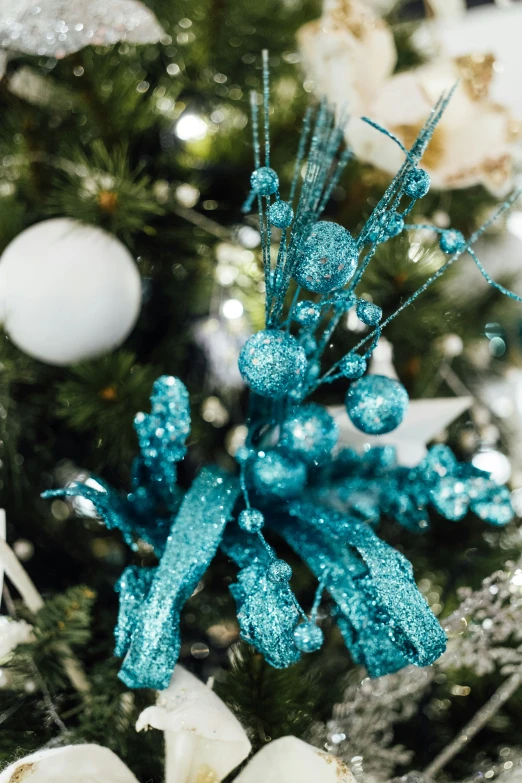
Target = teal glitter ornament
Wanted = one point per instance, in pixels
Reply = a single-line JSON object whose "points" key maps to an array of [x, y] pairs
{"points": [[417, 183], [279, 571], [272, 363], [307, 313], [393, 225], [281, 214], [376, 404], [251, 520], [308, 637], [309, 433], [327, 258], [278, 476], [264, 181], [352, 366], [451, 241], [369, 313]]}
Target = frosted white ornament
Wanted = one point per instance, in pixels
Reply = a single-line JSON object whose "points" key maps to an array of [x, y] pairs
{"points": [[68, 291]]}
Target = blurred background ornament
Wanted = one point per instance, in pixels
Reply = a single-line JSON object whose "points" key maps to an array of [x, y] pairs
{"points": [[57, 28], [68, 291]]}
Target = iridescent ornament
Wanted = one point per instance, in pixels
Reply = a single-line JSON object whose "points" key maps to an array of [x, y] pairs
{"points": [[327, 258], [352, 366], [308, 637], [281, 214], [272, 363], [417, 183], [278, 476], [376, 404], [264, 181], [309, 433], [251, 520], [307, 313], [369, 313], [452, 241]]}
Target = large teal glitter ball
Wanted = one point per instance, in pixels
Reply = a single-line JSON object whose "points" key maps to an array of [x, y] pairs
{"points": [[376, 404], [417, 183], [272, 363], [277, 475], [309, 433], [327, 258], [264, 181], [308, 637]]}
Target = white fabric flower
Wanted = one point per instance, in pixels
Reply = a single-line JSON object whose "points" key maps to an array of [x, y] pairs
{"points": [[202, 736], [70, 764], [60, 27], [350, 54], [13, 633], [293, 761]]}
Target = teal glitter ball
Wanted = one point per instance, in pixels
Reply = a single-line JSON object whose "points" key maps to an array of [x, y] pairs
{"points": [[251, 520], [353, 366], [308, 637], [278, 476], [342, 301], [327, 258], [452, 241], [376, 404], [309, 433], [369, 313], [308, 342], [307, 313], [264, 181], [417, 183], [281, 214], [272, 363], [394, 225], [279, 572]]}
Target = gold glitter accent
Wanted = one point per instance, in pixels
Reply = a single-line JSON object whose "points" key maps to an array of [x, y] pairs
{"points": [[207, 775], [435, 149], [476, 72], [23, 771]]}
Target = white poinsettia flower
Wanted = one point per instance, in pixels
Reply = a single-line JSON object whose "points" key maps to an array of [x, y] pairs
{"points": [[13, 633], [70, 764], [293, 761], [349, 52], [350, 55], [203, 739], [60, 27]]}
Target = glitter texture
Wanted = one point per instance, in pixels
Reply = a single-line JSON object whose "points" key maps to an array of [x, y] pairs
{"points": [[309, 434], [281, 214], [272, 363], [278, 476], [376, 404], [369, 313], [327, 258]]}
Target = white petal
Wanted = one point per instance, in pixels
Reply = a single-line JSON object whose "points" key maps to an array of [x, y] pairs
{"points": [[293, 761], [201, 733], [13, 633], [70, 764]]}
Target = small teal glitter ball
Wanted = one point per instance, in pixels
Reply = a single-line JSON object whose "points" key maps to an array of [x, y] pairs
{"points": [[394, 225], [353, 366], [369, 313], [264, 181], [251, 520], [308, 637], [281, 214], [309, 433], [342, 301], [279, 572], [308, 342], [327, 258], [452, 241], [376, 404], [272, 363], [417, 183], [307, 313], [278, 475]]}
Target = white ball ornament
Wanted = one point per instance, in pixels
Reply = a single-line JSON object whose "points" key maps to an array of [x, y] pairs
{"points": [[68, 291]]}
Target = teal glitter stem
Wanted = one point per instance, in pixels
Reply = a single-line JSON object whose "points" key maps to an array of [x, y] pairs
{"points": [[506, 291], [303, 141], [266, 105]]}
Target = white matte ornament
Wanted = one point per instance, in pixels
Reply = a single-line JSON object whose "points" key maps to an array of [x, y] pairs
{"points": [[70, 764], [290, 760], [68, 291], [203, 739]]}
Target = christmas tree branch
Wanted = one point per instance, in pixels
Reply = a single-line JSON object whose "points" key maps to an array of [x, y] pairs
{"points": [[479, 720]]}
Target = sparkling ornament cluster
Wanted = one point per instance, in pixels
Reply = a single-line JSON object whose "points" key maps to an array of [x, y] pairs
{"points": [[291, 476]]}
